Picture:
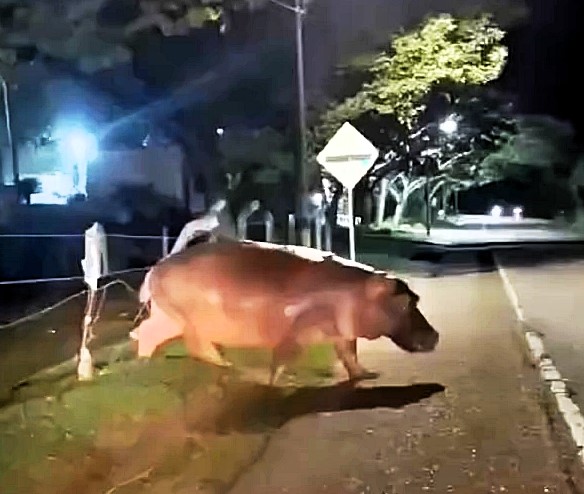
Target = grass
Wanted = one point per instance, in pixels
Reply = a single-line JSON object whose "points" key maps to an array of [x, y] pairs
{"points": [[60, 420]]}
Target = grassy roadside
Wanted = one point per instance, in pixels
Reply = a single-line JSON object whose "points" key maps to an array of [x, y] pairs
{"points": [[158, 421]]}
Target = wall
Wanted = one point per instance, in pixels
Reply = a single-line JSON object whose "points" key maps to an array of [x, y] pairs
{"points": [[159, 166]]}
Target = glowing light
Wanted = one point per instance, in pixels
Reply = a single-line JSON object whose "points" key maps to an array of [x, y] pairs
{"points": [[81, 144], [449, 126], [78, 148], [518, 213], [317, 199], [220, 131], [497, 211]]}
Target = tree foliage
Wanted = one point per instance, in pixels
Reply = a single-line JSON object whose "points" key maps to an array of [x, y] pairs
{"points": [[446, 162], [97, 34], [442, 51], [541, 141], [262, 153]]}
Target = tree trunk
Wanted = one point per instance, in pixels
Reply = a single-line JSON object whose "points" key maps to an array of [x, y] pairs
{"points": [[367, 207], [381, 199], [398, 214]]}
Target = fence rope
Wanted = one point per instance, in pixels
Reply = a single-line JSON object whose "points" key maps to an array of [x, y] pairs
{"points": [[81, 235], [70, 278], [50, 308]]}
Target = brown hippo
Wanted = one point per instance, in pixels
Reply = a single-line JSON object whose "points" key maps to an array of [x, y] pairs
{"points": [[241, 295]]}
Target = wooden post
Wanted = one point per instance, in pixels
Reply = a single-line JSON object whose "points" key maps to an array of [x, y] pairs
{"points": [[94, 266]]}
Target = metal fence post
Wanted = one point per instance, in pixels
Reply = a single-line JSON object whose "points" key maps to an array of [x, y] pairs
{"points": [[243, 216], [291, 229], [164, 241], [318, 231], [328, 236], [269, 225]]}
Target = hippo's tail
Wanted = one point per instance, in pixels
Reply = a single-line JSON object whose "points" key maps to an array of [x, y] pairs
{"points": [[145, 297], [145, 293]]}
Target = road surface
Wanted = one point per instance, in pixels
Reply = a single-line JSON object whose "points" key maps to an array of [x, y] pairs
{"points": [[552, 297], [485, 433], [466, 419]]}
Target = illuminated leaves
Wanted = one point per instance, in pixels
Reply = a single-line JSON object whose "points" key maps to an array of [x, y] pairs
{"points": [[444, 50]]}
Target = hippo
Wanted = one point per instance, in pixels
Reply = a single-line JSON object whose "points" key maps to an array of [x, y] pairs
{"points": [[236, 294]]}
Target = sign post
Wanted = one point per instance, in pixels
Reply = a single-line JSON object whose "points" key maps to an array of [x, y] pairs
{"points": [[348, 156]]}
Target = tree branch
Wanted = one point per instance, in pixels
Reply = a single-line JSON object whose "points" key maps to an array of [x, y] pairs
{"points": [[446, 164], [394, 192], [437, 187]]}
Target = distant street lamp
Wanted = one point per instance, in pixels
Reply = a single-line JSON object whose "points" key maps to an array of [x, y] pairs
{"points": [[299, 10]]}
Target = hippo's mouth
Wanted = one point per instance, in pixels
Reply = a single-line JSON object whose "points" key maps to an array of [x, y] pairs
{"points": [[429, 344]]}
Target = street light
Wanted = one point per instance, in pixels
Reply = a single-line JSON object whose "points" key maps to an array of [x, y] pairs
{"points": [[448, 126], [299, 10]]}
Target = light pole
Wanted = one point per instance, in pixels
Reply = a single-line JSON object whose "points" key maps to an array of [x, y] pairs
{"points": [[13, 149], [447, 127], [300, 11]]}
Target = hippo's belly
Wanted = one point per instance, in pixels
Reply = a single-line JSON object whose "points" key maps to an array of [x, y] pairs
{"points": [[245, 321]]}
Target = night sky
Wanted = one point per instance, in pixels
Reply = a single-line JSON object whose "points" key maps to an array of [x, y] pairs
{"points": [[545, 58]]}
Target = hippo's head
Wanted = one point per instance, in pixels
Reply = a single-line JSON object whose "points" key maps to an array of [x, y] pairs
{"points": [[393, 312]]}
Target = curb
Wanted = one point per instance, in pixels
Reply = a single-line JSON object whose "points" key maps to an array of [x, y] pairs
{"points": [[570, 412]]}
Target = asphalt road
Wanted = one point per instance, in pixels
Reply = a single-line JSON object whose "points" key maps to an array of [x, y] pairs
{"points": [[466, 418], [552, 297], [485, 432]]}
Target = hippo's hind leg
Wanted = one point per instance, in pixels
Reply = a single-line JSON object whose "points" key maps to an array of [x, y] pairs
{"points": [[282, 354], [204, 350], [347, 353]]}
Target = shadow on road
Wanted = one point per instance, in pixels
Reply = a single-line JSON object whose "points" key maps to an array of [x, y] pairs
{"points": [[249, 407]]}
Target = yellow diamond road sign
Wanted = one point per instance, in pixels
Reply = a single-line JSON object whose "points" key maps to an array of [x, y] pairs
{"points": [[348, 156]]}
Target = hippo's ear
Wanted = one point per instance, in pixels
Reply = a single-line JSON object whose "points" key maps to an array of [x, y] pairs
{"points": [[377, 287]]}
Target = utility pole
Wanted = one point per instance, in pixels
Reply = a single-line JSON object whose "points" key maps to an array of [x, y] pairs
{"points": [[299, 9], [11, 145]]}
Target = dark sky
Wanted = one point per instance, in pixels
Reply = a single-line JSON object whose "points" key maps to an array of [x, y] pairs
{"points": [[545, 60], [545, 49]]}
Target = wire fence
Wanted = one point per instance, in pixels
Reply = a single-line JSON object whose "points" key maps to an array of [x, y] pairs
{"points": [[50, 308], [115, 274]]}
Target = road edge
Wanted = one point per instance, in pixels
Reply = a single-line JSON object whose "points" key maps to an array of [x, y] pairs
{"points": [[554, 382]]}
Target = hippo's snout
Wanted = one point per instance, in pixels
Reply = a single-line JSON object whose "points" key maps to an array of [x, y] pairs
{"points": [[429, 342]]}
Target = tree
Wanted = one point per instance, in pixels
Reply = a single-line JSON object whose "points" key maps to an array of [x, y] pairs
{"points": [[257, 165], [431, 157], [442, 51], [543, 152], [541, 142], [96, 34], [439, 60], [261, 152]]}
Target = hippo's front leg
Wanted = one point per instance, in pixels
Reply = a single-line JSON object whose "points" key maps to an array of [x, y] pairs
{"points": [[347, 353]]}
